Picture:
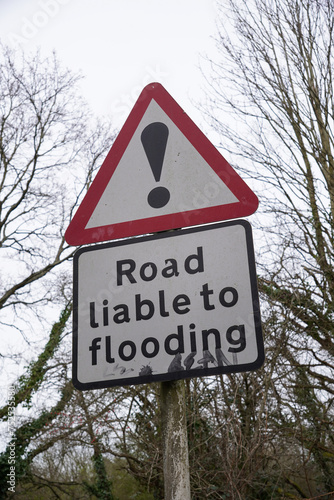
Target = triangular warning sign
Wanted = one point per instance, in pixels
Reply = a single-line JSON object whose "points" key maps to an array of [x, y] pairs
{"points": [[161, 173]]}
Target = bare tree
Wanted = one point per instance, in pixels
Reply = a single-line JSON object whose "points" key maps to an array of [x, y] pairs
{"points": [[47, 149], [50, 147], [271, 101]]}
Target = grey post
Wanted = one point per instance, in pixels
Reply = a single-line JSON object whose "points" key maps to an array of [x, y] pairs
{"points": [[175, 441]]}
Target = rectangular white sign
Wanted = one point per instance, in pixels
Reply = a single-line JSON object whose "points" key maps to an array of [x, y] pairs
{"points": [[166, 306]]}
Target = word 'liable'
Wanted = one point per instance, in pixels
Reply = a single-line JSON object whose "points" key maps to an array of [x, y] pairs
{"points": [[144, 309]]}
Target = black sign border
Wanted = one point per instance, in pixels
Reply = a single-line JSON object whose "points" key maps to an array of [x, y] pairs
{"points": [[196, 372]]}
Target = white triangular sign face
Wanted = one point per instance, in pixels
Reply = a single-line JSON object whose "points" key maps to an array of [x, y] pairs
{"points": [[191, 182], [161, 173]]}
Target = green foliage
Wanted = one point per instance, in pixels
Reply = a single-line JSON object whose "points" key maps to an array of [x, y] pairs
{"points": [[102, 486], [23, 436], [29, 383], [126, 487], [26, 386]]}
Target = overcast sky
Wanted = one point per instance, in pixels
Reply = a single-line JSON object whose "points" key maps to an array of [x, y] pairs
{"points": [[119, 45]]}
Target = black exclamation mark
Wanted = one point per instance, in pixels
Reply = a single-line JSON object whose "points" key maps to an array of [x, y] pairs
{"points": [[154, 139]]}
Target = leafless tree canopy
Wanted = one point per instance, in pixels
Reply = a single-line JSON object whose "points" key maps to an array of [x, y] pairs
{"points": [[270, 98], [255, 436], [48, 152]]}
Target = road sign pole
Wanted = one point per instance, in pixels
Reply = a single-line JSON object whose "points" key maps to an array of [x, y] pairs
{"points": [[175, 441]]}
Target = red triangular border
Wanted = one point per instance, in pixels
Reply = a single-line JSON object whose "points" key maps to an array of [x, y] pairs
{"points": [[76, 233]]}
